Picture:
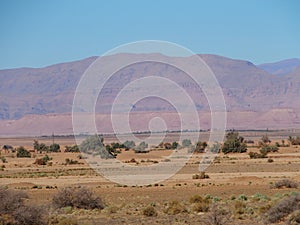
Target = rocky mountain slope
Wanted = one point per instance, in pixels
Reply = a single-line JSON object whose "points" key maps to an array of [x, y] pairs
{"points": [[249, 91]]}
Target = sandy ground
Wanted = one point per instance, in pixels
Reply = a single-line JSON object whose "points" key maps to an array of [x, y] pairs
{"points": [[231, 174]]}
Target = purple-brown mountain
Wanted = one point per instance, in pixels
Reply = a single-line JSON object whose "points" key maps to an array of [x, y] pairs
{"points": [[248, 89], [281, 68]]}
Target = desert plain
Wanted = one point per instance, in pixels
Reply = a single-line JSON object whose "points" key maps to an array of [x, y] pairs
{"points": [[233, 179]]}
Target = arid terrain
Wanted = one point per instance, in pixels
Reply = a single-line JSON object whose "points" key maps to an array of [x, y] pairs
{"points": [[243, 185]]}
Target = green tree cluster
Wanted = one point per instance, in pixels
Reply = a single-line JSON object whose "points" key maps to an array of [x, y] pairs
{"points": [[23, 153], [234, 143], [94, 145]]}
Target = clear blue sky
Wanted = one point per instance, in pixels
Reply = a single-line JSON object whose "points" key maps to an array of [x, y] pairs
{"points": [[39, 33]]}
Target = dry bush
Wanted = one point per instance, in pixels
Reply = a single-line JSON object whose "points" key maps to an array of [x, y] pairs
{"points": [[6, 219], [285, 183], [240, 207], [71, 162], [283, 208], [201, 207], [63, 221], [202, 175], [77, 197], [30, 215], [217, 215], [174, 208], [199, 204], [149, 211], [11, 200], [112, 209], [42, 161], [294, 218], [196, 198], [270, 160], [13, 211]]}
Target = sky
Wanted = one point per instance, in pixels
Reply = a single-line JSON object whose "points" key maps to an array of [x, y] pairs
{"points": [[37, 33]]}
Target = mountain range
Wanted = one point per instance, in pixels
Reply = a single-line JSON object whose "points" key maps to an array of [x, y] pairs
{"points": [[37, 101]]}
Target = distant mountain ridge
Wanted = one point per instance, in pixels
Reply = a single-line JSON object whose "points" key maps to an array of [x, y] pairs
{"points": [[246, 87], [281, 68]]}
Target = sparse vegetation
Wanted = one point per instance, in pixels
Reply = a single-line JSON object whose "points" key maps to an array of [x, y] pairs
{"points": [[245, 209]]}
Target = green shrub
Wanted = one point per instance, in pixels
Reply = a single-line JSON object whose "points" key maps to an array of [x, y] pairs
{"points": [[242, 197], [255, 155], [94, 145], [23, 153], [234, 143], [186, 143], [41, 147], [129, 144], [73, 148], [260, 197], [141, 148], [54, 147], [269, 148], [3, 159]]}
